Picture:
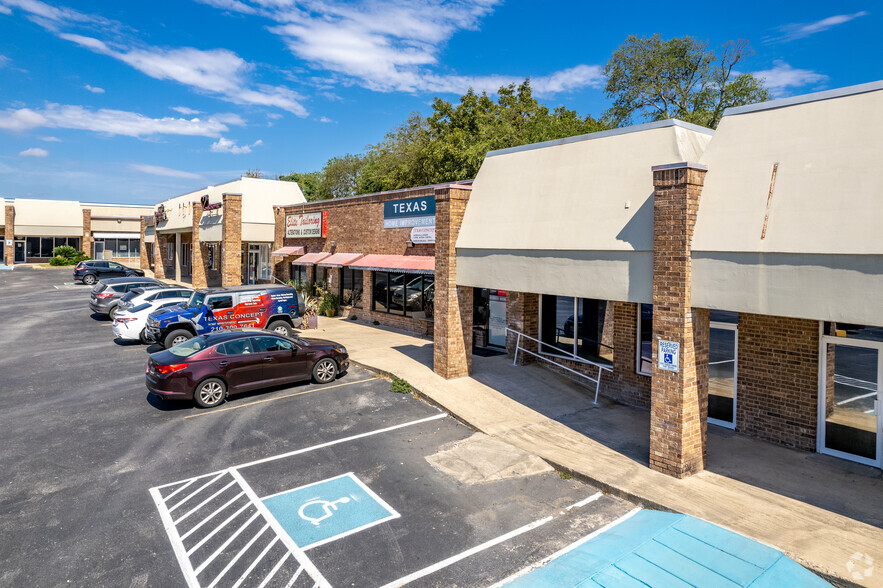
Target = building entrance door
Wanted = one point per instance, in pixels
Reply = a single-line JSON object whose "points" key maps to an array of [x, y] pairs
{"points": [[723, 346], [254, 257], [99, 249], [497, 320], [19, 256], [850, 425]]}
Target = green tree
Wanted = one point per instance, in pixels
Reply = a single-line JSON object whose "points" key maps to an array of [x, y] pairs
{"points": [[340, 176], [309, 183], [399, 160], [682, 78], [253, 173]]}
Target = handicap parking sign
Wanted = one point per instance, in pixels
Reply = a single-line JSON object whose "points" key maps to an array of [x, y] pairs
{"points": [[322, 512], [668, 354]]}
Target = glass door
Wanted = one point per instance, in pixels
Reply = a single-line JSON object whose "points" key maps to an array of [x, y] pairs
{"points": [[497, 318], [723, 352], [19, 256], [849, 415], [253, 263]]}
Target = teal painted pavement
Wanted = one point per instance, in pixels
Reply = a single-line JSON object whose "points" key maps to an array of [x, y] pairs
{"points": [[664, 549]]}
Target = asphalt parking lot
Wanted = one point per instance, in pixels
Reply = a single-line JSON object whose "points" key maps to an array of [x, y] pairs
{"points": [[345, 484]]}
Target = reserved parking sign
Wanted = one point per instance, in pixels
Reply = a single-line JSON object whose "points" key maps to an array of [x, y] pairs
{"points": [[668, 354]]}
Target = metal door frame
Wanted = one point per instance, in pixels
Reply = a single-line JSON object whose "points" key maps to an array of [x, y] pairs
{"points": [[24, 250], [735, 328]]}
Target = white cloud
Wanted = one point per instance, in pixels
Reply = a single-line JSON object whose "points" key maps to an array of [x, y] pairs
{"points": [[5, 9], [34, 152], [325, 119], [794, 31], [223, 145], [4, 61], [782, 76], [51, 139], [158, 170], [231, 5], [111, 122], [185, 111], [94, 89]]}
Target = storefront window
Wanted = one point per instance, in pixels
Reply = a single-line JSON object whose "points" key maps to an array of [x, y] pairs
{"points": [[645, 339], [299, 274], [574, 327], [266, 270], [117, 248], [351, 287], [380, 288], [44, 246], [404, 294]]}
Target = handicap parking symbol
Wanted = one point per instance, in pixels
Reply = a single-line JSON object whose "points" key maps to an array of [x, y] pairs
{"points": [[324, 511]]}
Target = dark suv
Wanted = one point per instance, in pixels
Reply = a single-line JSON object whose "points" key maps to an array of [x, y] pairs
{"points": [[106, 294], [97, 269]]}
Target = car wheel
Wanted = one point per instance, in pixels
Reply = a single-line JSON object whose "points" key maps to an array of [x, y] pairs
{"points": [[175, 337], [112, 313], [325, 371], [89, 279], [210, 393], [280, 327], [143, 336]]}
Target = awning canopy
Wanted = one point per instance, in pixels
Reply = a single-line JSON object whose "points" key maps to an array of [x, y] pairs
{"points": [[311, 258], [341, 259], [292, 250], [416, 264], [117, 235]]}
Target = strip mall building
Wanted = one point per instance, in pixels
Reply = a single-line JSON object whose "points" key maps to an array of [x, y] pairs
{"points": [[31, 229], [731, 277]]}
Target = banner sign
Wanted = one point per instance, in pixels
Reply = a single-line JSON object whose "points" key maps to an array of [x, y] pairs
{"points": [[313, 224], [423, 235], [669, 352], [206, 205], [413, 212]]}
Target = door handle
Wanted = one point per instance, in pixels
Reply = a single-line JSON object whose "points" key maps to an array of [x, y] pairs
{"points": [[268, 359], [223, 363]]}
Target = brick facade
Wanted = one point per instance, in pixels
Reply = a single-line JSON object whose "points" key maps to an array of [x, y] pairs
{"points": [[198, 252], [160, 258], [87, 244], [231, 241], [522, 315], [145, 256], [626, 385], [777, 384], [678, 400], [9, 234]]}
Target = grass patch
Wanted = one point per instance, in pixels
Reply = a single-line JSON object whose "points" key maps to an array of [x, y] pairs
{"points": [[400, 386], [565, 475], [354, 318]]}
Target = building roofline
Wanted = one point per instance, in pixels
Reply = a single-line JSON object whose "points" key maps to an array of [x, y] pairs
{"points": [[460, 184], [806, 98], [658, 124]]}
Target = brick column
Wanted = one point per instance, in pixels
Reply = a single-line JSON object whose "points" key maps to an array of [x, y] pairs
{"points": [[453, 305], [678, 400], [145, 260], [88, 239], [9, 234], [522, 315], [198, 269], [160, 253], [281, 265], [231, 240]]}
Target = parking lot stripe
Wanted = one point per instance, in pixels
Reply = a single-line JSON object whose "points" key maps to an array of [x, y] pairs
{"points": [[211, 516], [294, 578], [200, 489], [204, 502], [216, 530], [187, 485], [226, 408], [275, 570], [224, 545], [235, 559], [249, 464], [585, 501], [187, 480], [295, 550], [469, 552], [567, 549], [255, 562], [177, 545]]}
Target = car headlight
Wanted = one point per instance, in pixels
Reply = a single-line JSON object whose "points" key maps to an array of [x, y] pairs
{"points": [[340, 349]]}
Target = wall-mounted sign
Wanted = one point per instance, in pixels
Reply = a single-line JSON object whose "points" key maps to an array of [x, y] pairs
{"points": [[208, 206], [423, 235], [413, 212], [313, 224], [160, 214], [668, 354]]}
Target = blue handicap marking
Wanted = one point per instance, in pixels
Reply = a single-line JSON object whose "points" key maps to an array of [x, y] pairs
{"points": [[324, 511]]}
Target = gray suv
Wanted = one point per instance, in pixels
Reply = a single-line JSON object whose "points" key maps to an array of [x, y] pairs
{"points": [[106, 294]]}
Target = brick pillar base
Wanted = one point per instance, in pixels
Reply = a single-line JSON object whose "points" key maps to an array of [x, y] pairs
{"points": [[161, 252], [9, 234], [678, 401], [88, 239], [231, 241], [452, 356], [198, 268], [522, 315], [145, 259]]}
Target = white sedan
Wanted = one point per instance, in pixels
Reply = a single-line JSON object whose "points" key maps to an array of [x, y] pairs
{"points": [[129, 324]]}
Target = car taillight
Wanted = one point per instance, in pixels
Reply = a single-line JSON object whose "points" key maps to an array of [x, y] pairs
{"points": [[80, 265], [104, 295], [124, 320], [168, 369]]}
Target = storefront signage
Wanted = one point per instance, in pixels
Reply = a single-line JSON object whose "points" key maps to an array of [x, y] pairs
{"points": [[313, 224], [413, 212], [160, 214], [423, 235], [206, 205], [668, 353]]}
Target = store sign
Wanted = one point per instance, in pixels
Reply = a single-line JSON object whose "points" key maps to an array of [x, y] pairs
{"points": [[413, 212], [423, 235], [313, 224], [668, 354], [160, 214], [206, 205]]}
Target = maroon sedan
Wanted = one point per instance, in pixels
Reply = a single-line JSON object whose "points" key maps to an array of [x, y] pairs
{"points": [[208, 367]]}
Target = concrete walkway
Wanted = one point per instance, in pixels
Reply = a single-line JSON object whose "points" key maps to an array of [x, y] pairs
{"points": [[823, 512]]}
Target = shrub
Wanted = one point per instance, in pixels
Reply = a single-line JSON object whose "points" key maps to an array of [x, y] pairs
{"points": [[400, 386], [376, 323], [354, 317], [60, 261], [65, 251]]}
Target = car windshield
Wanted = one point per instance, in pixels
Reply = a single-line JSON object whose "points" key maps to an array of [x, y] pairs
{"points": [[196, 300], [190, 346], [139, 308]]}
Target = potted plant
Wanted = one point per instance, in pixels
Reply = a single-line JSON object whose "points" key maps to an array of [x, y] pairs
{"points": [[310, 319], [329, 303]]}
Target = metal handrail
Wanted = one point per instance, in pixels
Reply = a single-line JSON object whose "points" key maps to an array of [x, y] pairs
{"points": [[601, 367]]}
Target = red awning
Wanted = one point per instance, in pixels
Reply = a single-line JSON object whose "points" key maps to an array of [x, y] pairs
{"points": [[292, 250], [418, 264], [311, 258], [340, 259]]}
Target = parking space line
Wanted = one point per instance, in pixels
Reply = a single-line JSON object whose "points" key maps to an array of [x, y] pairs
{"points": [[585, 501], [224, 545], [242, 551], [226, 408], [187, 485], [188, 480], [469, 552], [200, 489], [255, 562], [211, 516], [177, 545], [217, 529], [275, 570], [567, 549], [204, 502]]}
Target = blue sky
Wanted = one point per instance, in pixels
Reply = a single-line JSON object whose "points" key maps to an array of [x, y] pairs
{"points": [[134, 102]]}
